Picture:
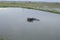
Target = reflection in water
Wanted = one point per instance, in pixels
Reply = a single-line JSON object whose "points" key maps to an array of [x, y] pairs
{"points": [[13, 24]]}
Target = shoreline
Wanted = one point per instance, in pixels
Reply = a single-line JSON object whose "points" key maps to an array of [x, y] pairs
{"points": [[52, 11]]}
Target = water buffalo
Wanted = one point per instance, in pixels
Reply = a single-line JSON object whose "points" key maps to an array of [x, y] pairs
{"points": [[32, 19]]}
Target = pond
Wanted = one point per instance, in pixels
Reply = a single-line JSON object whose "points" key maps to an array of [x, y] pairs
{"points": [[14, 24]]}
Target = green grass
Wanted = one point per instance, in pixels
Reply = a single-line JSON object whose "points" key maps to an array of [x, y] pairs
{"points": [[3, 37], [32, 5], [52, 11]]}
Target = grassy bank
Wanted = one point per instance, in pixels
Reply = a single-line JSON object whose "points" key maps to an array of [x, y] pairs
{"points": [[33, 5], [52, 11], [3, 37]]}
